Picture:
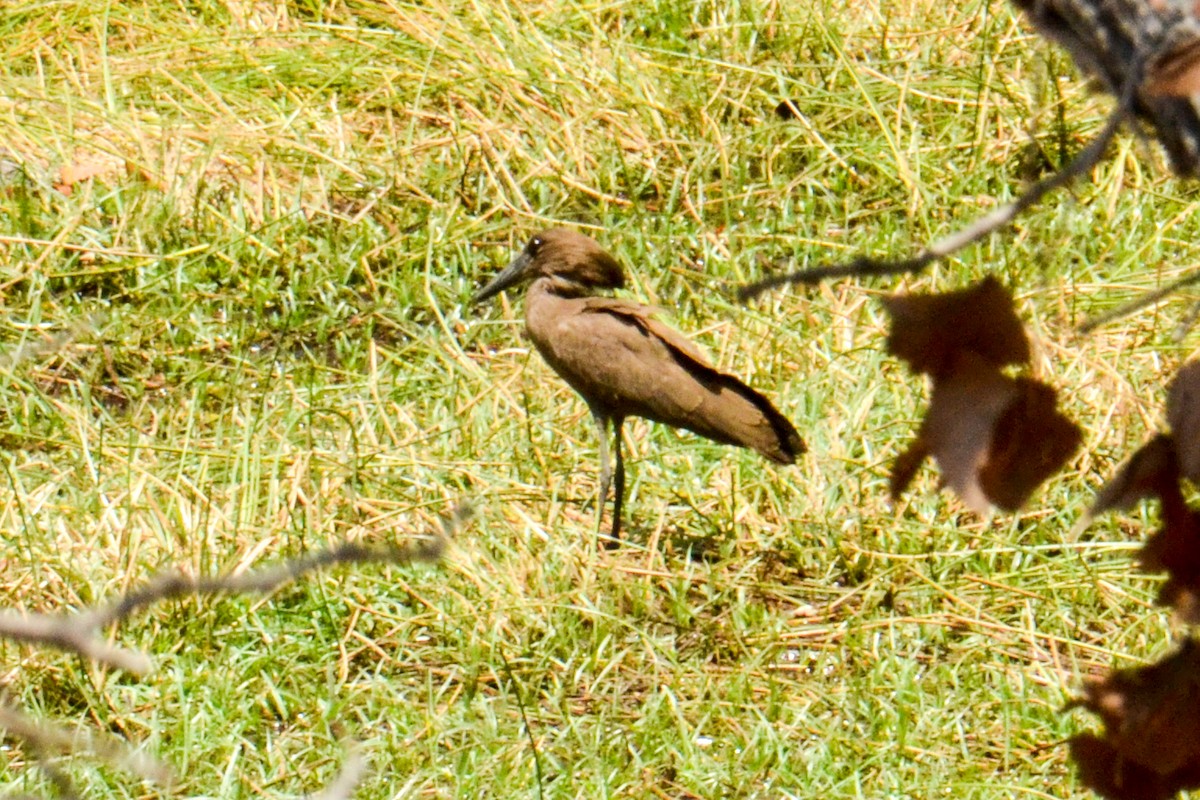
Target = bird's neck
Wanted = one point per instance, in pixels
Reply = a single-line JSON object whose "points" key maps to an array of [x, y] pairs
{"points": [[560, 286], [545, 307]]}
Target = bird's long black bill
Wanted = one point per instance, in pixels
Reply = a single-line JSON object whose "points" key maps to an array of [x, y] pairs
{"points": [[510, 276]]}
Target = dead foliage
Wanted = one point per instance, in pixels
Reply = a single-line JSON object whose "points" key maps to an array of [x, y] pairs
{"points": [[1157, 470], [994, 437], [1150, 748]]}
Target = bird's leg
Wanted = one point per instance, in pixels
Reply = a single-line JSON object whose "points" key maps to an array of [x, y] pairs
{"points": [[605, 468], [619, 495]]}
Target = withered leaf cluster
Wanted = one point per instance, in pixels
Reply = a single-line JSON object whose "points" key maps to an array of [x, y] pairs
{"points": [[1151, 744], [994, 437], [1150, 749], [1157, 469]]}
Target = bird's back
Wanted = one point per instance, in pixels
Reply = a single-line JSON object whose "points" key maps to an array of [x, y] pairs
{"points": [[625, 363]]}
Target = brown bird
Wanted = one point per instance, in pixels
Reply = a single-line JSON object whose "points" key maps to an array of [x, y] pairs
{"points": [[626, 363]]}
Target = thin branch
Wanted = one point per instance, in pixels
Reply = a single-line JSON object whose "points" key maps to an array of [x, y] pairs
{"points": [[1137, 304], [73, 633], [79, 633], [1115, 41], [46, 739], [52, 343], [865, 266], [1187, 323], [344, 784], [173, 586], [64, 787], [103, 251]]}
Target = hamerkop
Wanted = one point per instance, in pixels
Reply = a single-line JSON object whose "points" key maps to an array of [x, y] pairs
{"points": [[626, 363]]}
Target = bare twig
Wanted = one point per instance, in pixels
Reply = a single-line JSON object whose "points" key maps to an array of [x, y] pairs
{"points": [[865, 266], [74, 633], [79, 633], [1133, 306], [174, 586], [46, 739], [344, 784], [1187, 323], [1152, 45], [51, 344], [102, 251], [64, 787]]}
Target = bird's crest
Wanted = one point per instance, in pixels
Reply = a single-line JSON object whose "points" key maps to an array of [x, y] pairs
{"points": [[570, 256]]}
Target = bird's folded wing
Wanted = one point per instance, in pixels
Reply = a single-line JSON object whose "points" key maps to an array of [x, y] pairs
{"points": [[643, 316], [642, 367]]}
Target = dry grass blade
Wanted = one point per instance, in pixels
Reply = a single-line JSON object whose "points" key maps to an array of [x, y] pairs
{"points": [[294, 203]]}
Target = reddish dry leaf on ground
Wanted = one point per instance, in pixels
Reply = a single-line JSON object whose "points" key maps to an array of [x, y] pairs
{"points": [[71, 174], [995, 438], [928, 330], [1151, 744]]}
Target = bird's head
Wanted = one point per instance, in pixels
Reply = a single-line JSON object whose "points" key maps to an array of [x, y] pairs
{"points": [[574, 263]]}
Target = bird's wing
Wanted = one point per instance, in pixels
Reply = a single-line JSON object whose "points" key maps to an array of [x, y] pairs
{"points": [[608, 352], [643, 317], [626, 363]]}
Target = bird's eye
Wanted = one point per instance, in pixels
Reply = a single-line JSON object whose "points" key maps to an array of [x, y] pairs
{"points": [[534, 244]]}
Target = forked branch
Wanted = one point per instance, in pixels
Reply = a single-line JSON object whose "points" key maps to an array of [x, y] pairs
{"points": [[80, 632]]}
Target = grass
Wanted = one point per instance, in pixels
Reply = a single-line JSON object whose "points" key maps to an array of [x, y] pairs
{"points": [[245, 334]]}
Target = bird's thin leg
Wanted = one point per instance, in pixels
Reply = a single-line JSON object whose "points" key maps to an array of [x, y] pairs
{"points": [[619, 495], [605, 468]]}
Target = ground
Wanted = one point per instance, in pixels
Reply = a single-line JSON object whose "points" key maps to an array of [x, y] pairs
{"points": [[237, 241]]}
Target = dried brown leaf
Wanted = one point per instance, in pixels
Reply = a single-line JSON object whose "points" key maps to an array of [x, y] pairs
{"points": [[1151, 743], [995, 438], [905, 467], [71, 174], [963, 411], [1152, 470], [1176, 550], [1030, 442], [1103, 770], [928, 330], [1183, 415]]}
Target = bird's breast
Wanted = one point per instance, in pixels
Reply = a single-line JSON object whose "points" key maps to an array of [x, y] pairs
{"points": [[587, 349]]}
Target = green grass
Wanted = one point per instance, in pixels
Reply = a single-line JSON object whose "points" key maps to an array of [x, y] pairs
{"points": [[264, 345]]}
